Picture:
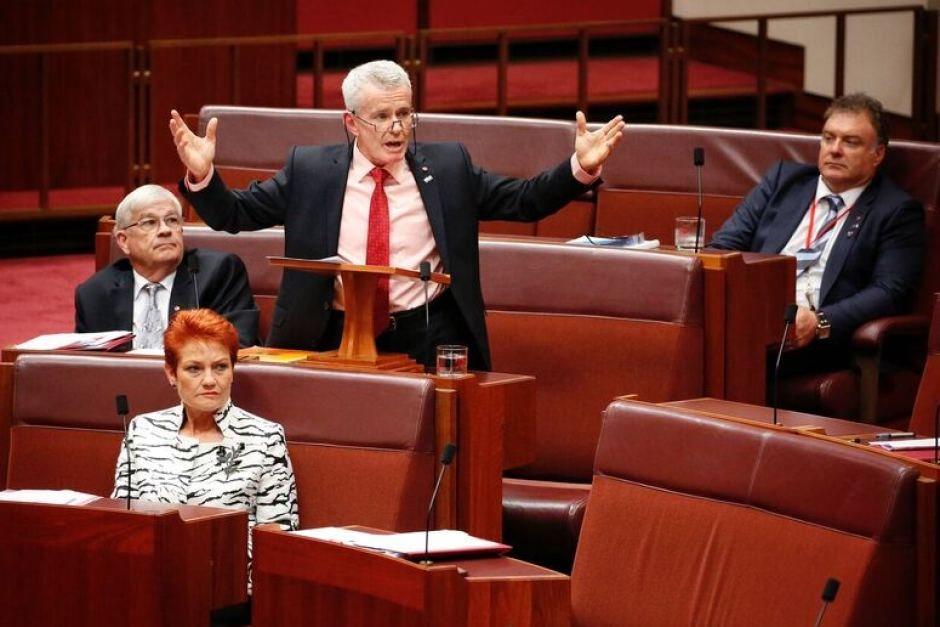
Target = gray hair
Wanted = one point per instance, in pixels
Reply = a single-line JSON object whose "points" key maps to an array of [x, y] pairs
{"points": [[141, 198], [381, 74]]}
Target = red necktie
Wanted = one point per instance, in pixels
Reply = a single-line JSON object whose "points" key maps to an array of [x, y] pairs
{"points": [[377, 246]]}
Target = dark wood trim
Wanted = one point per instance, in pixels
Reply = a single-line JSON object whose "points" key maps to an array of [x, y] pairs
{"points": [[809, 110], [738, 51]]}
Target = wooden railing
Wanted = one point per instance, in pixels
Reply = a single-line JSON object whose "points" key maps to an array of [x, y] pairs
{"points": [[415, 53], [923, 72]]}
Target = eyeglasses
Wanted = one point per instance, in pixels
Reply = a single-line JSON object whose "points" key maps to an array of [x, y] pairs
{"points": [[149, 224], [406, 122]]}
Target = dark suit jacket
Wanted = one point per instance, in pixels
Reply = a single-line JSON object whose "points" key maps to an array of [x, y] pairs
{"points": [[875, 264], [306, 196], [105, 301]]}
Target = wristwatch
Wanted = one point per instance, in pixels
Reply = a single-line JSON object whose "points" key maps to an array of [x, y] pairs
{"points": [[823, 326]]}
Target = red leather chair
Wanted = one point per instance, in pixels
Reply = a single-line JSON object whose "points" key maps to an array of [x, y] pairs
{"points": [[649, 181], [694, 520], [923, 421]]}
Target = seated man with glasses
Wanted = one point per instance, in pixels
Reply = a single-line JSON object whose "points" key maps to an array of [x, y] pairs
{"points": [[378, 200], [158, 277]]}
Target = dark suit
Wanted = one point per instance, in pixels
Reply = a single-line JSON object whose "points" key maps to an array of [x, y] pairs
{"points": [[875, 263], [307, 195], [105, 302]]}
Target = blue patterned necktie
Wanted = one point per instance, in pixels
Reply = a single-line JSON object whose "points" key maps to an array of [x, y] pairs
{"points": [[806, 257], [151, 330]]}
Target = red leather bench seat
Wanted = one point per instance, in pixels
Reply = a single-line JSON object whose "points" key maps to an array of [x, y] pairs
{"points": [[590, 324], [362, 445], [695, 520]]}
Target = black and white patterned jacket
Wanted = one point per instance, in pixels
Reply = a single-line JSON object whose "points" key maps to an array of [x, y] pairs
{"points": [[249, 469]]}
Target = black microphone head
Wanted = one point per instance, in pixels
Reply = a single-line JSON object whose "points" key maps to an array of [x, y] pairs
{"points": [[698, 156], [192, 262], [424, 268], [830, 590], [120, 401], [790, 314], [447, 455]]}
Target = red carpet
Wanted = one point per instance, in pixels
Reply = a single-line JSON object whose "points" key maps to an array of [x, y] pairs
{"points": [[36, 295]]}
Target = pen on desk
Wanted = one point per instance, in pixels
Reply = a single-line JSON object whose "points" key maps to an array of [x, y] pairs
{"points": [[898, 435]]}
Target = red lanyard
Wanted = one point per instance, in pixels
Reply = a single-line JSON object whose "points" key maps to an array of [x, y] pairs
{"points": [[810, 240]]}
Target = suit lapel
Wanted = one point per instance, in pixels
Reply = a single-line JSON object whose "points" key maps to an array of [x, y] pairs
{"points": [[430, 192], [334, 193], [122, 299], [790, 216], [181, 296], [846, 239]]}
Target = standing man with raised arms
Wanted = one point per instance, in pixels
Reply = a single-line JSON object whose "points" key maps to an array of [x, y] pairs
{"points": [[381, 201]]}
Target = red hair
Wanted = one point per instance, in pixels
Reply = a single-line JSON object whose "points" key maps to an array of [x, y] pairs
{"points": [[198, 325]]}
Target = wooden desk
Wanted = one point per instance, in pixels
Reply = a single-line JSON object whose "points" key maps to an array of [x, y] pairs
{"points": [[303, 581], [101, 565], [491, 417], [745, 298], [759, 413]]}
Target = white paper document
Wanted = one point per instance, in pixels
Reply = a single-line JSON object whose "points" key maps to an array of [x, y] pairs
{"points": [[105, 340], [635, 242], [440, 542], [905, 445], [49, 497]]}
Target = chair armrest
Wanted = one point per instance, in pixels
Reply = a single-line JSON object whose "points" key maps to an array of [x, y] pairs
{"points": [[869, 338]]}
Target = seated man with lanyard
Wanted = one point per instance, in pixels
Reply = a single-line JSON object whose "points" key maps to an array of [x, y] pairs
{"points": [[858, 239]]}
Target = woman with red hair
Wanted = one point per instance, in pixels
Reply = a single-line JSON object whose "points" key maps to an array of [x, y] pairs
{"points": [[207, 451]]}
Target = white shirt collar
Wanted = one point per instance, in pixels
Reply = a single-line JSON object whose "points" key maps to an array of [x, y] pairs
{"points": [[361, 166], [849, 196], [140, 282]]}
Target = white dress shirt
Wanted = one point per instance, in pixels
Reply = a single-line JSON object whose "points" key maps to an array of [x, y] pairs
{"points": [[808, 283], [141, 300]]}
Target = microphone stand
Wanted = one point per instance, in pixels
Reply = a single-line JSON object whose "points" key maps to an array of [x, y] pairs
{"points": [[788, 318], [122, 410], [936, 436], [425, 274], [447, 456], [698, 158], [193, 264]]}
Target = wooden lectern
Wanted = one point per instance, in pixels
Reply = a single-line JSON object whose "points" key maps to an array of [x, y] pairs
{"points": [[101, 565], [359, 283], [304, 581]]}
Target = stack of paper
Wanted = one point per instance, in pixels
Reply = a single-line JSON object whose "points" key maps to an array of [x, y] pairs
{"points": [[51, 497], [104, 341], [441, 543], [637, 242]]}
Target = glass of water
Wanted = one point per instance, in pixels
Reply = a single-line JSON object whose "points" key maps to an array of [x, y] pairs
{"points": [[451, 360], [686, 228]]}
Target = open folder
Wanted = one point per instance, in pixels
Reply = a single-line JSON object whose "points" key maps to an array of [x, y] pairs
{"points": [[441, 543]]}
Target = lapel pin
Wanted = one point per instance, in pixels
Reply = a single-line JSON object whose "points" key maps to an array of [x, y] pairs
{"points": [[428, 178]]}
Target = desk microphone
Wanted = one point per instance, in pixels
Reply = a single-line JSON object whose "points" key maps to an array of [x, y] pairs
{"points": [[789, 317], [828, 596], [120, 401], [936, 436], [698, 160], [447, 456], [192, 262], [424, 269]]}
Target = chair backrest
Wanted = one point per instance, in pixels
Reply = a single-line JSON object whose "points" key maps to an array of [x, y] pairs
{"points": [[697, 520], [650, 180], [252, 247], [362, 445], [927, 404], [590, 324]]}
